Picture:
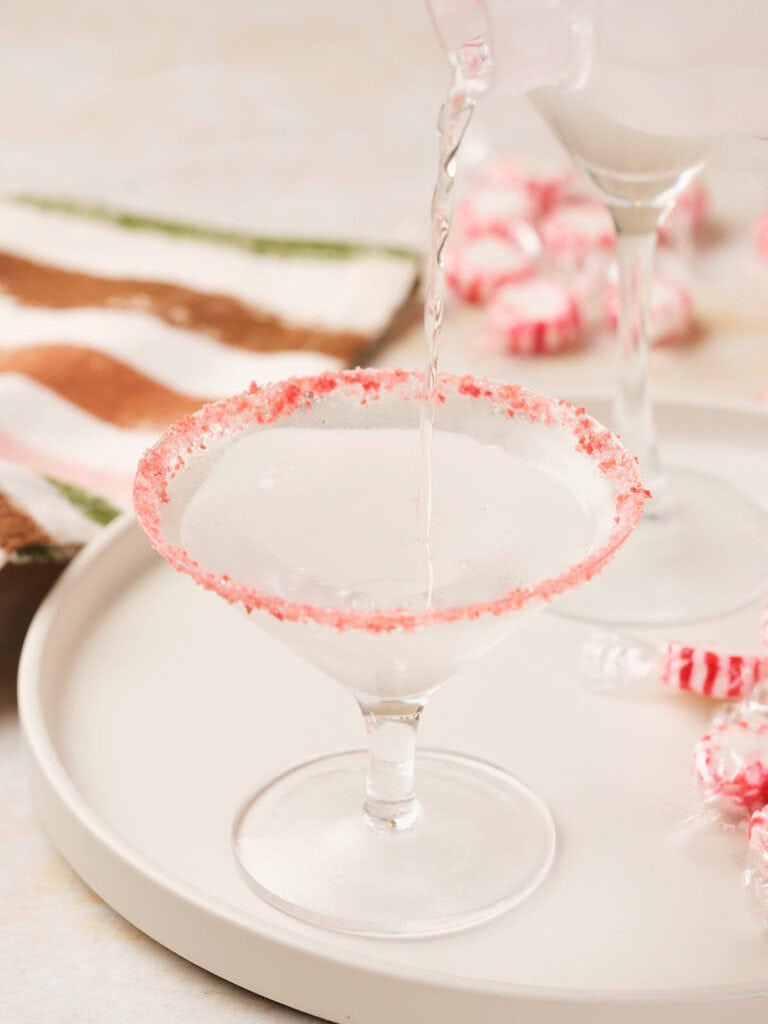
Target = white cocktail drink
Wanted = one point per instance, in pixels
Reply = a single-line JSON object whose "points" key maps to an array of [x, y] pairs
{"points": [[327, 516], [297, 503]]}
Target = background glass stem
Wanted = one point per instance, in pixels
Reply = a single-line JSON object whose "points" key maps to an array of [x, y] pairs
{"points": [[633, 415]]}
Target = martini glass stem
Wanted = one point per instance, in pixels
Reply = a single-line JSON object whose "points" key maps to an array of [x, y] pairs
{"points": [[633, 408], [390, 793]]}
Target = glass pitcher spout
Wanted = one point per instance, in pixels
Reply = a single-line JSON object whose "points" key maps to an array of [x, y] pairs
{"points": [[533, 43]]}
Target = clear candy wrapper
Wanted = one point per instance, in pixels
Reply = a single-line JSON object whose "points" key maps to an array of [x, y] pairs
{"points": [[756, 866], [753, 706], [730, 762], [730, 770], [618, 664], [625, 665]]}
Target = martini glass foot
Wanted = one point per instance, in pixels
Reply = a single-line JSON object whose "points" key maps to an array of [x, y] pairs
{"points": [[482, 842], [703, 554]]}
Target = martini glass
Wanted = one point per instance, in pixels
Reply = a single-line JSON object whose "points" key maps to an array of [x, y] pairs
{"points": [[636, 94], [702, 547], [297, 504]]}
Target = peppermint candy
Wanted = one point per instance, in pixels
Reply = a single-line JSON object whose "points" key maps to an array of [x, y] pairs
{"points": [[730, 768], [670, 313], [546, 181], [476, 268], [686, 215], [707, 672], [576, 230], [493, 210], [761, 236], [535, 316], [758, 833]]}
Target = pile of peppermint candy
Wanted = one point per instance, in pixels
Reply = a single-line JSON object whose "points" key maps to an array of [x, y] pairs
{"points": [[538, 254], [730, 764], [730, 761]]}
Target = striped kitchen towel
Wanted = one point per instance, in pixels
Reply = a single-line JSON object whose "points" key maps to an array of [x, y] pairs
{"points": [[112, 325]]}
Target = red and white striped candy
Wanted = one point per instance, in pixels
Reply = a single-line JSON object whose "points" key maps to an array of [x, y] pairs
{"points": [[758, 833], [577, 229], [495, 211], [535, 316], [545, 181], [761, 236], [670, 315], [708, 673], [686, 215], [730, 767], [476, 268]]}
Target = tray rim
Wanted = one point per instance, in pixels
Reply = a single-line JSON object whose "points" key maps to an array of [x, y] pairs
{"points": [[56, 796]]}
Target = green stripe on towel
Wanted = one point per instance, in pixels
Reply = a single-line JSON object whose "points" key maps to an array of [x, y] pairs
{"points": [[257, 244], [91, 505]]}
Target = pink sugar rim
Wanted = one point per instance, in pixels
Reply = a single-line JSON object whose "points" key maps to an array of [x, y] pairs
{"points": [[262, 405]]}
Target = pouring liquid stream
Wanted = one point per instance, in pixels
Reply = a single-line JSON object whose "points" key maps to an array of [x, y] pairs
{"points": [[472, 67]]}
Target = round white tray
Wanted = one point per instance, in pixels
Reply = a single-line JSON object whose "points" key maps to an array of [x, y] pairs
{"points": [[150, 708]]}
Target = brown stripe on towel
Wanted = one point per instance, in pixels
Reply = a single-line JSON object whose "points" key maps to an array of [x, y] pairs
{"points": [[228, 319], [17, 529], [99, 384]]}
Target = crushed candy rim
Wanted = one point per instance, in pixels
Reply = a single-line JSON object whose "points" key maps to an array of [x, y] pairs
{"points": [[264, 405]]}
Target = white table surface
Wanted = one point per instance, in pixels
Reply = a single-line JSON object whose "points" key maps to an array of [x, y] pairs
{"points": [[287, 118]]}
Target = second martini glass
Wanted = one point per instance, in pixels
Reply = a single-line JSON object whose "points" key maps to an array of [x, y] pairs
{"points": [[297, 504], [702, 547]]}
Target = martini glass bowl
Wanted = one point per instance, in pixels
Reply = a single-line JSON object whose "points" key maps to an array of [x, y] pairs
{"points": [[296, 503]]}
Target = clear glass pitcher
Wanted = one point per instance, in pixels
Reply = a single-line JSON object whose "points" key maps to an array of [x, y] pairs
{"points": [[677, 67]]}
